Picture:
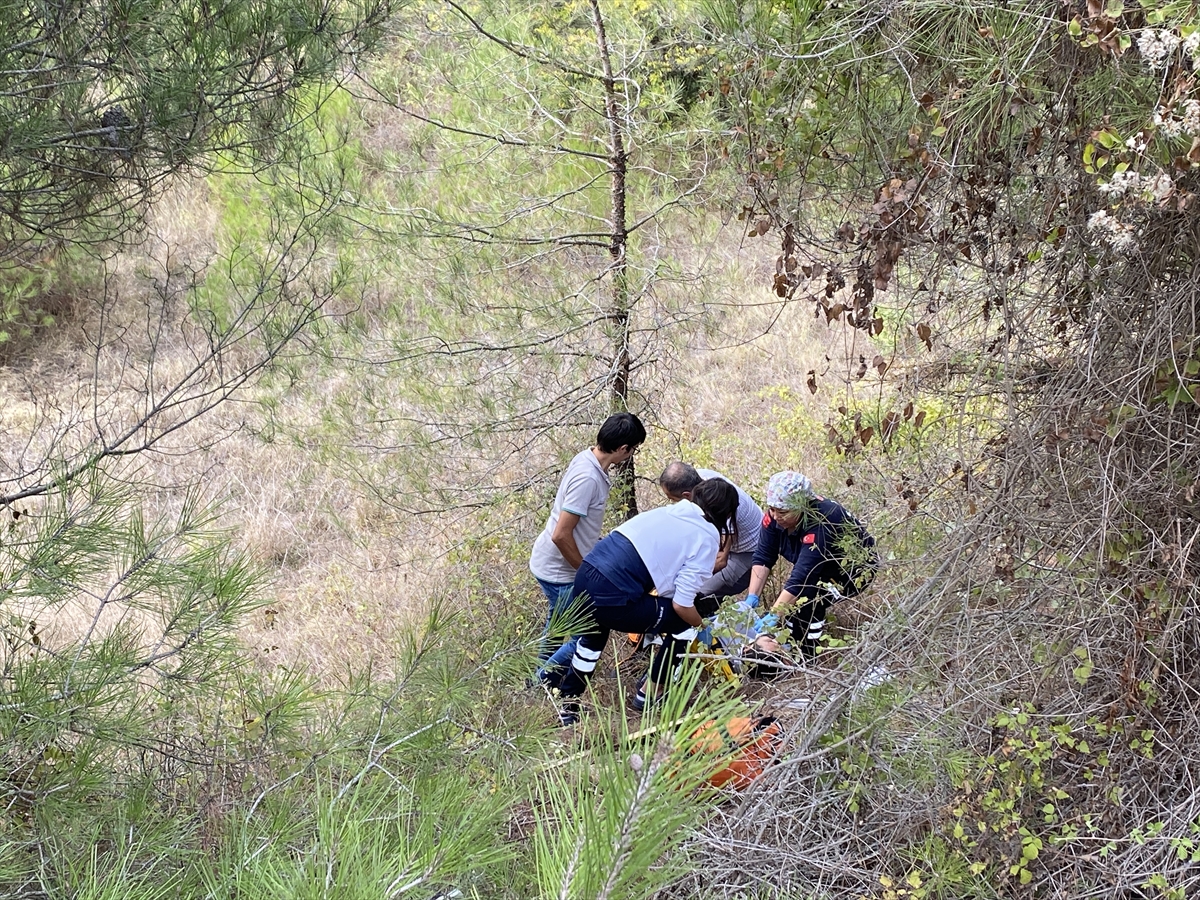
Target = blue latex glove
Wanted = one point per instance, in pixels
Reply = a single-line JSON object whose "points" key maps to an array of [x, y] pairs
{"points": [[704, 636], [748, 604], [770, 620]]}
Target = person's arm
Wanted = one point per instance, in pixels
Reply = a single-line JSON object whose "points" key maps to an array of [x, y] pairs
{"points": [[723, 553], [758, 579], [693, 573], [784, 603], [563, 538], [765, 555], [766, 552]]}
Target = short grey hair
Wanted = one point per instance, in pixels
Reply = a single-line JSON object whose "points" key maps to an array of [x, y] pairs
{"points": [[678, 478]]}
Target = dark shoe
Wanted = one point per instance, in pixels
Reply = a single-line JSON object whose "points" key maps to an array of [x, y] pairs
{"points": [[640, 701], [568, 713], [549, 677]]}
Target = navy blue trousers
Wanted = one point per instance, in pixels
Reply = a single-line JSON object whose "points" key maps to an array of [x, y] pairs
{"points": [[614, 585]]}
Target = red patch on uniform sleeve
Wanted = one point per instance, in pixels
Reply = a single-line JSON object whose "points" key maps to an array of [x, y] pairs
{"points": [[810, 538], [767, 521]]}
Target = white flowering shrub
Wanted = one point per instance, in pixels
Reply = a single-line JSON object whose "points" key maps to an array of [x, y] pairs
{"points": [[1126, 184], [1181, 120], [1157, 46], [1111, 231], [1143, 170]]}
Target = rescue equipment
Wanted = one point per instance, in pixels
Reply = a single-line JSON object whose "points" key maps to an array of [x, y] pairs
{"points": [[751, 743]]}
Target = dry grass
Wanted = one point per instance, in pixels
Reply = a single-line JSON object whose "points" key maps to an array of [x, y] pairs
{"points": [[350, 575]]}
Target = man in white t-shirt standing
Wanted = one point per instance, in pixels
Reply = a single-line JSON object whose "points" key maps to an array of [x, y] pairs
{"points": [[573, 528], [731, 575]]}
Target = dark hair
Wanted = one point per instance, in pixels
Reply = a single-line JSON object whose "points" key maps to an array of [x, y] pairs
{"points": [[718, 499], [678, 478], [619, 430]]}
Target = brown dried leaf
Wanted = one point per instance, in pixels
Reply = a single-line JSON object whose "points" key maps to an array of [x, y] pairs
{"points": [[925, 333], [789, 241], [812, 381], [866, 434], [880, 364], [908, 411], [919, 420]]}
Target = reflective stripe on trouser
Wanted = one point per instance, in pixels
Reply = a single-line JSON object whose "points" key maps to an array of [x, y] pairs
{"points": [[807, 624], [583, 663], [585, 659]]}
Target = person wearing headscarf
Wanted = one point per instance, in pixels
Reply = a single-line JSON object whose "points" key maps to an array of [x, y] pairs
{"points": [[826, 545]]}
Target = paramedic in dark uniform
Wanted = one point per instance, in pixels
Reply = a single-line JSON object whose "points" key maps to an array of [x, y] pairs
{"points": [[825, 545]]}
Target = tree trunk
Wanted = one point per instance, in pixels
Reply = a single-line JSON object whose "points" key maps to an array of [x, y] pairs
{"points": [[619, 310]]}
